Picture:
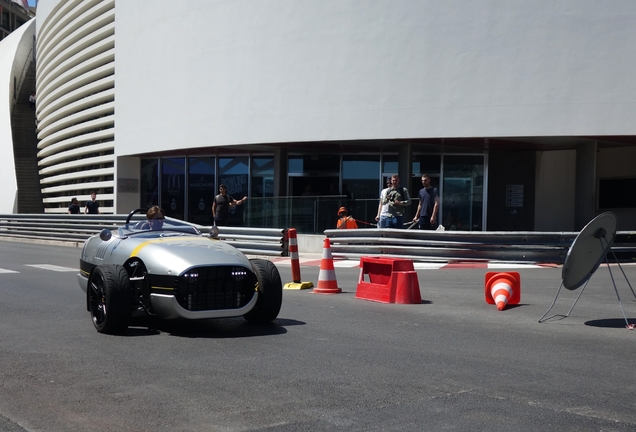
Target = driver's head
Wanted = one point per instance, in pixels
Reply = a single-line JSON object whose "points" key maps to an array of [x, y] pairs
{"points": [[155, 217]]}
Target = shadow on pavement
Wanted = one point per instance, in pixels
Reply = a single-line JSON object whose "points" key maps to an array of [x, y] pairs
{"points": [[212, 328], [610, 322]]}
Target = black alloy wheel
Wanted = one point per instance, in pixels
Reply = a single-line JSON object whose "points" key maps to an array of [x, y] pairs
{"points": [[109, 299], [270, 292]]}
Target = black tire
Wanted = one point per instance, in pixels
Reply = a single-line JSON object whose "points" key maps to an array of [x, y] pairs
{"points": [[109, 299], [270, 292]]}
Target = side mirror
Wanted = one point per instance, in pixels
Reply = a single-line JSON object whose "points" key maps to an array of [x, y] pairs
{"points": [[105, 234]]}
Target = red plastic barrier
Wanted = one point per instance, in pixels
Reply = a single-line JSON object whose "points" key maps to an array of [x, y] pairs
{"points": [[391, 280]]}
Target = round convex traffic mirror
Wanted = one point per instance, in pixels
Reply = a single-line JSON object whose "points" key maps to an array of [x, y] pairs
{"points": [[105, 234]]}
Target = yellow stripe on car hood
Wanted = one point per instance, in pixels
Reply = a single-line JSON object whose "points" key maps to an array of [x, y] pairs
{"points": [[183, 240]]}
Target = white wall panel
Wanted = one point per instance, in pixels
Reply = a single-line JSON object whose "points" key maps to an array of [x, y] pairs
{"points": [[218, 73]]}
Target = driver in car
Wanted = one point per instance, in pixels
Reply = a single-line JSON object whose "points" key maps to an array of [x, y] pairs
{"points": [[155, 217]]}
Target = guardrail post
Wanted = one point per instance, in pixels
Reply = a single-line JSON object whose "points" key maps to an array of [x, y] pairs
{"points": [[286, 241]]}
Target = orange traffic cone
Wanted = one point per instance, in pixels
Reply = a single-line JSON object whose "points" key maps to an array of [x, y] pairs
{"points": [[327, 283], [502, 289]]}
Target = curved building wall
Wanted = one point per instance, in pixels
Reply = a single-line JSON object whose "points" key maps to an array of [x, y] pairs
{"points": [[15, 51], [76, 102], [258, 71]]}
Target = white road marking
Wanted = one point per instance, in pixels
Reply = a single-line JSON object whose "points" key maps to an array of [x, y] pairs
{"points": [[511, 266], [52, 267], [8, 271], [428, 266]]}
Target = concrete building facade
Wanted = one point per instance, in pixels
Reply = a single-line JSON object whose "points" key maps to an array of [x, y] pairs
{"points": [[521, 111]]}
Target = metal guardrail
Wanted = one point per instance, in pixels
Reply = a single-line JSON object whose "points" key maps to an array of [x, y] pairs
{"points": [[75, 229], [256, 241], [441, 246], [445, 246]]}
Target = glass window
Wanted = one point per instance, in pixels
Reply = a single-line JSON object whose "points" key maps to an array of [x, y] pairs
{"points": [[314, 178], [173, 187], [430, 164], [149, 183], [262, 176], [361, 182], [261, 208], [427, 164], [201, 189], [612, 193], [360, 176], [295, 164], [314, 164], [389, 165], [463, 193], [234, 173]]}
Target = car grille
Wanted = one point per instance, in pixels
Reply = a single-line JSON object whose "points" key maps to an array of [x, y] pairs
{"points": [[215, 288]]}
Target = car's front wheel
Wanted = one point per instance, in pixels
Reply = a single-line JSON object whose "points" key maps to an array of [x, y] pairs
{"points": [[270, 292], [109, 298]]}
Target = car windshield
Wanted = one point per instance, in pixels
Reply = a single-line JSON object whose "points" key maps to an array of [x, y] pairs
{"points": [[162, 226]]}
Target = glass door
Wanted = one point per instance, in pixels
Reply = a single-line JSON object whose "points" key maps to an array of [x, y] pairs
{"points": [[462, 194], [173, 187]]}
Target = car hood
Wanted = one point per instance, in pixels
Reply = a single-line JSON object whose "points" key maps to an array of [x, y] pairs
{"points": [[169, 255]]}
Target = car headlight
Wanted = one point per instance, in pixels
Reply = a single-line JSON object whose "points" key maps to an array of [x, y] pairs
{"points": [[191, 276], [238, 274]]}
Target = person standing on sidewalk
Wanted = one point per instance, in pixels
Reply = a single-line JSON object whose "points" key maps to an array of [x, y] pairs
{"points": [[428, 206], [383, 209], [345, 221], [221, 206], [92, 206], [74, 208], [397, 198]]}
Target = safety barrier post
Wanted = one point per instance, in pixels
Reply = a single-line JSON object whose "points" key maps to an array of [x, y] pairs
{"points": [[295, 263]]}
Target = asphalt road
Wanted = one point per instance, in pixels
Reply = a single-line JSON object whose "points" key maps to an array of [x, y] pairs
{"points": [[329, 362]]}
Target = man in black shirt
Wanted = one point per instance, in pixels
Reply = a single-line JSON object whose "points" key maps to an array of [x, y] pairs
{"points": [[92, 206], [426, 212], [221, 206], [74, 208]]}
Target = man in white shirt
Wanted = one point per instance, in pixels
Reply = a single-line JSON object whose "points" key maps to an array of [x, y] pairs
{"points": [[383, 209], [397, 198]]}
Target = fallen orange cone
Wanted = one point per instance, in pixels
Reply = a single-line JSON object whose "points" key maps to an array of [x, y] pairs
{"points": [[502, 289], [327, 283]]}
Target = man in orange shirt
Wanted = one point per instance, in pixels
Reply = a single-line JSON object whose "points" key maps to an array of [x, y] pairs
{"points": [[344, 221]]}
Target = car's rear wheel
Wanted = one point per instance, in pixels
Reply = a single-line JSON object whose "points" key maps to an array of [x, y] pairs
{"points": [[109, 298], [270, 292]]}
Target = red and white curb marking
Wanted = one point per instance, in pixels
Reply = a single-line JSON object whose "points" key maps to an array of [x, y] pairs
{"points": [[308, 262]]}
